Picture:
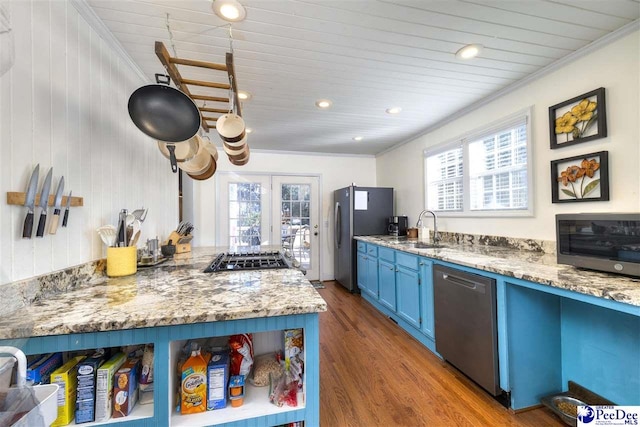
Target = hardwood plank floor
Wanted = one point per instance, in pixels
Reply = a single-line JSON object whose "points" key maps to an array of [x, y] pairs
{"points": [[372, 373]]}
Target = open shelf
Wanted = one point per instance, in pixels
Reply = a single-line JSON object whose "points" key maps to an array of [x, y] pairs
{"points": [[256, 400], [139, 412], [256, 404]]}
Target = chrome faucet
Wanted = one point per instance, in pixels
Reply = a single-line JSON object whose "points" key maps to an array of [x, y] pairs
{"points": [[436, 236]]}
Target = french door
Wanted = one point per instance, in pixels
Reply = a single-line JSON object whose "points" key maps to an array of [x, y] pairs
{"points": [[279, 210], [295, 217]]}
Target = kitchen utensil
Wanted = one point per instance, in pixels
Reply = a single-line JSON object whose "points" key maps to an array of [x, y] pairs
{"points": [[230, 127], [213, 165], [242, 160], [44, 203], [140, 214], [200, 163], [164, 113], [135, 238], [29, 202], [53, 225], [66, 211], [208, 145], [183, 151], [168, 250], [108, 234], [122, 229]]}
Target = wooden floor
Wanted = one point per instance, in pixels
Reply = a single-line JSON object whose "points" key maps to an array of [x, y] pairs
{"points": [[372, 373]]}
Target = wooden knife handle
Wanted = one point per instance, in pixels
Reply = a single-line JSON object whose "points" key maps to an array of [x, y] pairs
{"points": [[53, 225], [41, 224], [65, 217], [27, 229]]}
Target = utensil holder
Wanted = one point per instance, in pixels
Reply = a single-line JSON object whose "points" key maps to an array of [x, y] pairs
{"points": [[122, 261], [182, 243]]}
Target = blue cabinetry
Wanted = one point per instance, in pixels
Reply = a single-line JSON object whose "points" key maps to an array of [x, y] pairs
{"points": [[367, 265], [404, 289], [387, 284], [426, 297], [408, 284], [387, 278], [546, 335]]}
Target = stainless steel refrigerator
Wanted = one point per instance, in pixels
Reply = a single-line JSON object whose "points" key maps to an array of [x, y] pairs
{"points": [[358, 211]]}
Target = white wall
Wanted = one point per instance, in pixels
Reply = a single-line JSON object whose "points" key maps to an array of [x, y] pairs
{"points": [[614, 67], [63, 104], [335, 172]]}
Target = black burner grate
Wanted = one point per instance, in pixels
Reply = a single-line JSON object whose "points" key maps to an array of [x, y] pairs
{"points": [[247, 261]]}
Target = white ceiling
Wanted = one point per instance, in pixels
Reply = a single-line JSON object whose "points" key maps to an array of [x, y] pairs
{"points": [[366, 56]]}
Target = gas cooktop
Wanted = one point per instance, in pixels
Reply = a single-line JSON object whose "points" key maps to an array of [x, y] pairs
{"points": [[234, 261]]}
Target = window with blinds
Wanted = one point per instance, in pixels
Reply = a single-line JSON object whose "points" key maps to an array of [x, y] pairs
{"points": [[482, 173], [444, 178]]}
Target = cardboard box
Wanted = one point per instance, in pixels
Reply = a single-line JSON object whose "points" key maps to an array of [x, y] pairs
{"points": [[104, 386], [217, 379], [66, 377], [39, 370], [125, 388], [85, 398]]}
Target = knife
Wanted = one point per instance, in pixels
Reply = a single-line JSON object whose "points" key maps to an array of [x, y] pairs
{"points": [[53, 225], [66, 211], [44, 203], [29, 202]]}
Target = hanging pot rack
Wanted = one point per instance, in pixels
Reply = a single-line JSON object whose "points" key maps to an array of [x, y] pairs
{"points": [[181, 83]]}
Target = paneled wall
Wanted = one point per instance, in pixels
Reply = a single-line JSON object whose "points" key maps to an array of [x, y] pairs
{"points": [[63, 104]]}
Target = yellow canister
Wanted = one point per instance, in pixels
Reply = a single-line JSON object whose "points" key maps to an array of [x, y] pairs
{"points": [[122, 261]]}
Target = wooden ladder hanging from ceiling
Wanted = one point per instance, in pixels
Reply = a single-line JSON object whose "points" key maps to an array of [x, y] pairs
{"points": [[181, 83]]}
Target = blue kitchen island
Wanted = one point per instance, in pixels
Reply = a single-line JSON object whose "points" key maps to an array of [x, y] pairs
{"points": [[166, 306]]}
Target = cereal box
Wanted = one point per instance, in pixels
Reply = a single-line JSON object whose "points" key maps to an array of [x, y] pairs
{"points": [[217, 376], [85, 399], [66, 377], [104, 386], [125, 388], [39, 370]]}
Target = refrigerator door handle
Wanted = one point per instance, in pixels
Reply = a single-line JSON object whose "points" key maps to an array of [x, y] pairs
{"points": [[337, 225]]}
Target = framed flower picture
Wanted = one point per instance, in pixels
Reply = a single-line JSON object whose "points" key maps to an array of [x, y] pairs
{"points": [[580, 178], [579, 119]]}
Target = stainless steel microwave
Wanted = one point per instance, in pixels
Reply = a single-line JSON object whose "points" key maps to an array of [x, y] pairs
{"points": [[600, 241]]}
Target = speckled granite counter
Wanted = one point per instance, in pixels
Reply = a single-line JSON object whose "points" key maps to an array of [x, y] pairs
{"points": [[533, 266], [173, 293]]}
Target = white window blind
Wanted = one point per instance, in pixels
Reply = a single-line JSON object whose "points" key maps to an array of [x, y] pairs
{"points": [[484, 172], [498, 169], [444, 178]]}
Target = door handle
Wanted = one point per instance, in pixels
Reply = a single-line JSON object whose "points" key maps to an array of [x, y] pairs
{"points": [[460, 281], [315, 233]]}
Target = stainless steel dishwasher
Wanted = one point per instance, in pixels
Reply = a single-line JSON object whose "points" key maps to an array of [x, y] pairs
{"points": [[466, 326]]}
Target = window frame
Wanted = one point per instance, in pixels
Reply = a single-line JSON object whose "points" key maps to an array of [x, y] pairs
{"points": [[463, 141]]}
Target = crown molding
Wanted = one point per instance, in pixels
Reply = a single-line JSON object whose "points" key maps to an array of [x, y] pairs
{"points": [[87, 12], [591, 47]]}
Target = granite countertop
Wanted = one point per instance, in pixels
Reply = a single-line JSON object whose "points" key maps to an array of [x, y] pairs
{"points": [[173, 293], [532, 266]]}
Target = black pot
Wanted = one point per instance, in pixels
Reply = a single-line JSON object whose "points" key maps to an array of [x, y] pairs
{"points": [[164, 113]]}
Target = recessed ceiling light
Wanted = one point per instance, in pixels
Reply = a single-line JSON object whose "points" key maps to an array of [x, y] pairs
{"points": [[393, 110], [229, 10], [357, 138], [323, 103], [248, 130], [244, 95], [469, 51]]}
